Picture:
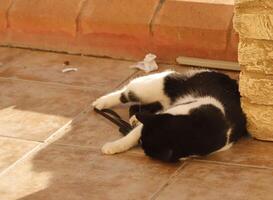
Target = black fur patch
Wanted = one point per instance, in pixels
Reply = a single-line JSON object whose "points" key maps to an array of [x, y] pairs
{"points": [[174, 86], [150, 108], [132, 97], [123, 98], [217, 85], [199, 133]]}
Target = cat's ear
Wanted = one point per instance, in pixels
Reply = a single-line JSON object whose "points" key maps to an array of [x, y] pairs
{"points": [[145, 118]]}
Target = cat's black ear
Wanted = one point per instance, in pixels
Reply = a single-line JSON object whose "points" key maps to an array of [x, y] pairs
{"points": [[145, 118]]}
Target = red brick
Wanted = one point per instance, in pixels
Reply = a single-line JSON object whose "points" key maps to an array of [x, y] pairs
{"points": [[193, 28], [117, 16], [112, 45], [45, 16], [122, 29], [117, 27], [4, 5], [232, 46], [43, 24]]}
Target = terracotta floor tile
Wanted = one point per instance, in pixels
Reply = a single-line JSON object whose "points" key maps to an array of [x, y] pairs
{"points": [[247, 151], [58, 172], [210, 181], [13, 149], [46, 66], [72, 167], [34, 111], [8, 55], [91, 129]]}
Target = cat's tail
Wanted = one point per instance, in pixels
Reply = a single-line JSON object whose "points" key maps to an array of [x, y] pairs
{"points": [[240, 130]]}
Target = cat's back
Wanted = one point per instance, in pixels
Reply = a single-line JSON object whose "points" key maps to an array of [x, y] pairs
{"points": [[225, 89], [200, 83]]}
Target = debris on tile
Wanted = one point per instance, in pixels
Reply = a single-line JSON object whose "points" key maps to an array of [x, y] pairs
{"points": [[66, 62], [70, 69], [148, 64]]}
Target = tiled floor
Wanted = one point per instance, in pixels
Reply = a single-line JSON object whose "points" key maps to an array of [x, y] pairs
{"points": [[50, 141]]}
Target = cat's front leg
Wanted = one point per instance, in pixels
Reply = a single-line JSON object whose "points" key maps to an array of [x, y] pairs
{"points": [[109, 100], [124, 143]]}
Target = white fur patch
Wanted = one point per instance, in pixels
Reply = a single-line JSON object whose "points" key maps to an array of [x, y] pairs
{"points": [[224, 148], [152, 76], [228, 143], [124, 143], [150, 88], [228, 136], [190, 102], [109, 100]]}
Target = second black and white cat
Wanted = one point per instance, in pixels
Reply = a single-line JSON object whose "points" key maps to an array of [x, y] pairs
{"points": [[182, 115]]}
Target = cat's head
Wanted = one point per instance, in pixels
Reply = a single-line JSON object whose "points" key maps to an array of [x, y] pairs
{"points": [[156, 139]]}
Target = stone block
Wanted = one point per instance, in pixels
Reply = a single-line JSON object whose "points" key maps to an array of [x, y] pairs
{"points": [[260, 118], [258, 88], [256, 55], [256, 26]]}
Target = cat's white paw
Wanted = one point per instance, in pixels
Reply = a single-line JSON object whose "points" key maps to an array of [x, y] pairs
{"points": [[110, 148], [101, 103], [134, 121]]}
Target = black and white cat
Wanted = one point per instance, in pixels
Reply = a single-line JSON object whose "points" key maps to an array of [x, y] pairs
{"points": [[182, 115]]}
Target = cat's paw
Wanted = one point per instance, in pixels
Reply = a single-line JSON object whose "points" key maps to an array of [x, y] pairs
{"points": [[134, 121], [110, 148], [101, 103]]}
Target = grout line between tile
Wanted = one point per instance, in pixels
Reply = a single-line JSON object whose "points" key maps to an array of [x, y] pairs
{"points": [[93, 148], [176, 173], [22, 139], [38, 147], [86, 109], [25, 156], [76, 146], [43, 144], [48, 140], [67, 53], [169, 181], [47, 83], [231, 164], [34, 150], [62, 84]]}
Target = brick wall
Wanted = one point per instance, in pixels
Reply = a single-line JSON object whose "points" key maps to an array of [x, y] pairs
{"points": [[254, 22], [126, 29]]}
